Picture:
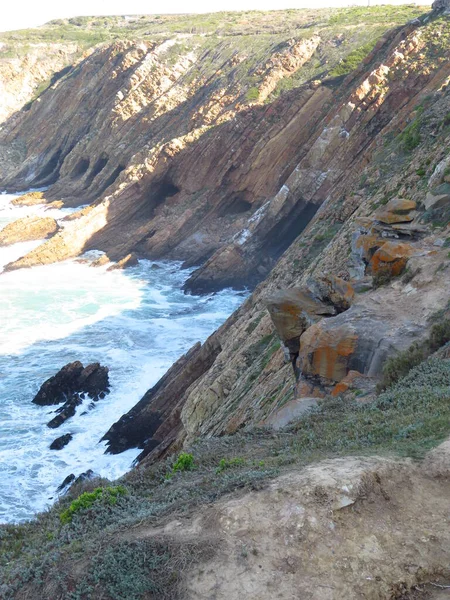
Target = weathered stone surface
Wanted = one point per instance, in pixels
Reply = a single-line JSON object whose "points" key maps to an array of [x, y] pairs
{"points": [[28, 229], [60, 442], [291, 411], [293, 311], [397, 210], [130, 260], [391, 258]]}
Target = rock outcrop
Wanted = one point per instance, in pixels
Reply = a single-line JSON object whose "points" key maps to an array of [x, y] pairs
{"points": [[28, 229], [73, 378], [61, 442]]}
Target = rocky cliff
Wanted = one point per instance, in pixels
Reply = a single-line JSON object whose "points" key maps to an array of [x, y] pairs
{"points": [[332, 201], [369, 271], [180, 143]]}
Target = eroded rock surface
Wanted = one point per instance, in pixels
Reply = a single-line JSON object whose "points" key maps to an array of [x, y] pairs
{"points": [[28, 229]]}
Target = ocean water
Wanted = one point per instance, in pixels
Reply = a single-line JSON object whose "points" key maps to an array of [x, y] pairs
{"points": [[137, 322]]}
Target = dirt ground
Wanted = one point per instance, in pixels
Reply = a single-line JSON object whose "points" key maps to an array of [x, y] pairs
{"points": [[347, 528]]}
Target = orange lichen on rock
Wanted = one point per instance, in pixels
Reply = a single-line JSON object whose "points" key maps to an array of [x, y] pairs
{"points": [[325, 351], [391, 258]]}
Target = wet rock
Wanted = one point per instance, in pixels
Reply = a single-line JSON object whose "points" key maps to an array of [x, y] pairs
{"points": [[56, 389], [71, 480], [67, 481], [130, 260], [72, 379], [30, 199], [28, 229], [60, 442], [101, 261], [66, 411]]}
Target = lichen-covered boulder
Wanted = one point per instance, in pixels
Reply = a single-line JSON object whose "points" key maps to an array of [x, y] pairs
{"points": [[391, 258], [293, 311], [397, 210]]}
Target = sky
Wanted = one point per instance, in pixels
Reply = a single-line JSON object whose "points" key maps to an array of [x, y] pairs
{"points": [[30, 13]]}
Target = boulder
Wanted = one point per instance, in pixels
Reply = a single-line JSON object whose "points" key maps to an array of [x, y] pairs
{"points": [[397, 210], [72, 379], [391, 258], [130, 260], [359, 339], [293, 311], [60, 442], [28, 229]]}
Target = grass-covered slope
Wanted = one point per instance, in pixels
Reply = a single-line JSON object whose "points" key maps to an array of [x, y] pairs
{"points": [[84, 546]]}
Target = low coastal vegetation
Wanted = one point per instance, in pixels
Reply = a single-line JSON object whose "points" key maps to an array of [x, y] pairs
{"points": [[101, 527]]}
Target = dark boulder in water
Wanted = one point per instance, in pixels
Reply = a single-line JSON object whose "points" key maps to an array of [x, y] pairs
{"points": [[71, 385], [56, 389], [71, 480], [66, 411], [60, 442], [72, 379]]}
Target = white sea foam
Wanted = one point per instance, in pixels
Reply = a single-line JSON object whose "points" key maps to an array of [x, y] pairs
{"points": [[137, 322]]}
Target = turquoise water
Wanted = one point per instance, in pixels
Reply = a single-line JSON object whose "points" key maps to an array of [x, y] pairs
{"points": [[137, 322]]}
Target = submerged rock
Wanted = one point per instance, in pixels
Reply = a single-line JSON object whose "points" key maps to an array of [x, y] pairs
{"points": [[28, 229], [60, 442]]}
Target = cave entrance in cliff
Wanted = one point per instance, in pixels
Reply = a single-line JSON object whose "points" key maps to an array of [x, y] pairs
{"points": [[50, 172], [80, 168], [111, 179], [235, 206], [281, 236], [98, 167]]}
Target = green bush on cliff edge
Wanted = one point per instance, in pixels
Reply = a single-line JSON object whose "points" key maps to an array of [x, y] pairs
{"points": [[86, 500]]}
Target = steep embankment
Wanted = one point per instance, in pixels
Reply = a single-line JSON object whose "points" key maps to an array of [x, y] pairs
{"points": [[386, 212], [181, 141]]}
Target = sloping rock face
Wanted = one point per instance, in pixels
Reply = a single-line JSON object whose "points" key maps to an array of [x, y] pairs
{"points": [[183, 171], [28, 229], [250, 379]]}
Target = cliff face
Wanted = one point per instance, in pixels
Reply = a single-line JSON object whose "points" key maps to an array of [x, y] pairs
{"points": [[377, 171], [180, 144], [182, 149]]}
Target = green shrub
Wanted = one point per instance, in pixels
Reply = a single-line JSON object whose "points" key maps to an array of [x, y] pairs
{"points": [[229, 463], [252, 94], [110, 495], [352, 60], [184, 462], [398, 366]]}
